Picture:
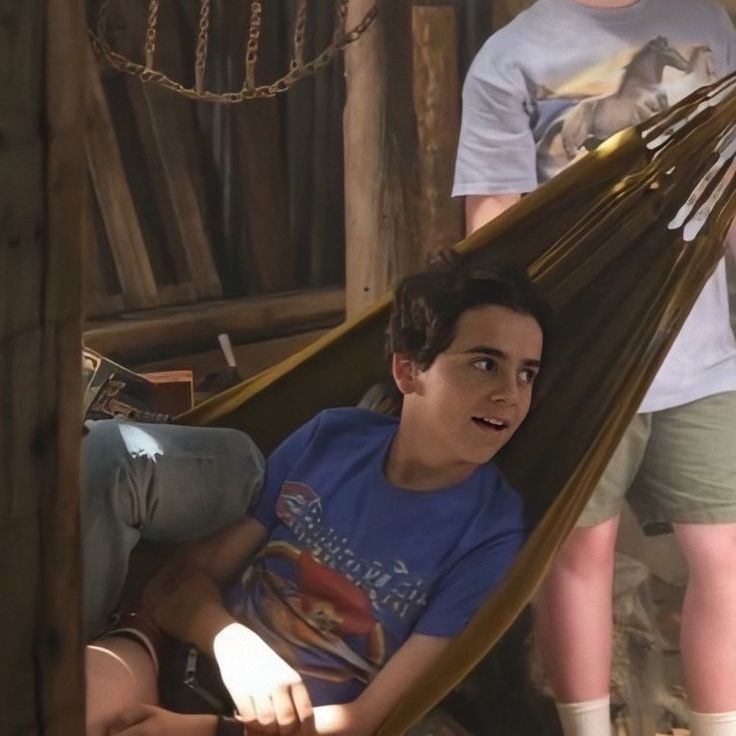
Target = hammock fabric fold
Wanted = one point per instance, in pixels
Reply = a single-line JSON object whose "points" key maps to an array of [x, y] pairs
{"points": [[621, 243]]}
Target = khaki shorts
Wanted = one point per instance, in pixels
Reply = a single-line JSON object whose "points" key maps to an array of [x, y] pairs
{"points": [[675, 465]]}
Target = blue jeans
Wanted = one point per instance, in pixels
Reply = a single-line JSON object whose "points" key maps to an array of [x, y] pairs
{"points": [[159, 482]]}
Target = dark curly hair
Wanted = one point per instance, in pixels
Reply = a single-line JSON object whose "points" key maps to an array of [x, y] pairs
{"points": [[428, 304]]}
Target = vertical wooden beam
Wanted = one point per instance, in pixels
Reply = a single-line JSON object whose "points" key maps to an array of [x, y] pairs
{"points": [[381, 183], [43, 164], [116, 202], [506, 10], [436, 102], [98, 298], [165, 125], [258, 132]]}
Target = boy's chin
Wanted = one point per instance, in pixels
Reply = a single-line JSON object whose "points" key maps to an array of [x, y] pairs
{"points": [[488, 453]]}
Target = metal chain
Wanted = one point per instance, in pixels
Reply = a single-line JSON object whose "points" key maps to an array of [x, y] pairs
{"points": [[341, 19], [254, 37], [300, 25], [200, 55], [152, 21], [250, 90]]}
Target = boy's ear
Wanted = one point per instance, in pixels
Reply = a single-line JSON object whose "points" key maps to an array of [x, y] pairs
{"points": [[405, 371]]}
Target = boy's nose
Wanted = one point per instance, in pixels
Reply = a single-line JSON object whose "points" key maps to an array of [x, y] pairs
{"points": [[505, 389]]}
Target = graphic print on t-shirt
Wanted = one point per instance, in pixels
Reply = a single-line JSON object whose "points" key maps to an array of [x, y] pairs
{"points": [[576, 115], [318, 604]]}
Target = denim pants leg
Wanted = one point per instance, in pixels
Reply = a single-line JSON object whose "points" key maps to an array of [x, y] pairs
{"points": [[159, 482]]}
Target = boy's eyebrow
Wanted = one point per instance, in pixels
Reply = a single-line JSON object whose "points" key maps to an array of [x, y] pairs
{"points": [[500, 354]]}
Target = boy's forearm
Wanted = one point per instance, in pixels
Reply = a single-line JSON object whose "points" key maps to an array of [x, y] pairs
{"points": [[341, 720], [185, 603]]}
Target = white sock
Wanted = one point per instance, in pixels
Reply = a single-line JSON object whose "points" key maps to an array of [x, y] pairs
{"points": [[589, 718], [713, 724]]}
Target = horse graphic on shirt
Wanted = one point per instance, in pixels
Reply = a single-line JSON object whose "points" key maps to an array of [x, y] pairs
{"points": [[587, 120], [639, 96]]}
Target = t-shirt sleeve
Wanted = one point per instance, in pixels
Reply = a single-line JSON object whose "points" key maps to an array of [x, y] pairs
{"points": [[496, 151], [279, 466], [465, 586]]}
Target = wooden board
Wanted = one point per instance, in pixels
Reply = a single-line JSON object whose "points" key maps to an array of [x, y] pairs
{"points": [[42, 159], [116, 203], [165, 124], [100, 298], [260, 157], [437, 107], [166, 332]]}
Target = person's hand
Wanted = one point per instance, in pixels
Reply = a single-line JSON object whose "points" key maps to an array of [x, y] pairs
{"points": [[148, 720], [268, 693]]}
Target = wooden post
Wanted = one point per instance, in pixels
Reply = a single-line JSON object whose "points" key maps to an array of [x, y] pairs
{"points": [[381, 182], [43, 164], [436, 102], [506, 10]]}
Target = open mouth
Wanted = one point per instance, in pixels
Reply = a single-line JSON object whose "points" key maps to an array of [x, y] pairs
{"points": [[491, 423]]}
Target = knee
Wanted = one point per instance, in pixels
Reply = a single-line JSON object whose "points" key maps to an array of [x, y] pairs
{"points": [[710, 551], [240, 458], [119, 674], [588, 552], [103, 453], [102, 438], [251, 457]]}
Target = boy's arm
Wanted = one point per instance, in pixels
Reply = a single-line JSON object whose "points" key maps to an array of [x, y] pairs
{"points": [[184, 600], [482, 208], [363, 716]]}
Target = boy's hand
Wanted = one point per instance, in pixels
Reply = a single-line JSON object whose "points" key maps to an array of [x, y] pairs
{"points": [[268, 693]]}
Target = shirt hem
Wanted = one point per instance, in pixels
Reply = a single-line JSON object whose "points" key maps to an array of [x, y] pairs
{"points": [[483, 189], [661, 400]]}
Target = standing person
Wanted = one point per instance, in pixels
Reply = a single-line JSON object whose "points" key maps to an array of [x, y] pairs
{"points": [[374, 540], [560, 78]]}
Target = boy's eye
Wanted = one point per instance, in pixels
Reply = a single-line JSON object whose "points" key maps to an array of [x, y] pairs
{"points": [[528, 375], [484, 364]]}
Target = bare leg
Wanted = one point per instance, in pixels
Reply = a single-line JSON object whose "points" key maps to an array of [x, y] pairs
{"points": [[708, 616], [120, 673], [574, 615]]}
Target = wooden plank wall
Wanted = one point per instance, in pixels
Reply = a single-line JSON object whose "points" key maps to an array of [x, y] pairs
{"points": [[193, 202], [42, 159], [251, 199]]}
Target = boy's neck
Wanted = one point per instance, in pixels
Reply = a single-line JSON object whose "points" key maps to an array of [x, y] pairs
{"points": [[407, 467]]}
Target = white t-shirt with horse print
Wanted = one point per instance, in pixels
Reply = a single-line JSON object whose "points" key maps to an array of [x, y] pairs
{"points": [[561, 78]]}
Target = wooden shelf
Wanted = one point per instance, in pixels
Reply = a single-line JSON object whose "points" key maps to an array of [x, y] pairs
{"points": [[151, 335]]}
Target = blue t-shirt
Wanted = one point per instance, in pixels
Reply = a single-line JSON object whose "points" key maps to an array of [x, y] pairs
{"points": [[354, 564]]}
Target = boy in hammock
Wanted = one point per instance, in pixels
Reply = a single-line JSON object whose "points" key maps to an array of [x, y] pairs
{"points": [[560, 78], [373, 543]]}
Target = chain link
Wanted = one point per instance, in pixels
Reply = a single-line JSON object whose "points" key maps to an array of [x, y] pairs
{"points": [[250, 90], [254, 37], [300, 25], [152, 21], [341, 19], [200, 55]]}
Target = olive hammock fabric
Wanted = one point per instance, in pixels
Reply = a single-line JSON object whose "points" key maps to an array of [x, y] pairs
{"points": [[621, 243]]}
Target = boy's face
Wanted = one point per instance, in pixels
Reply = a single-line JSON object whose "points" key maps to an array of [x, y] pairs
{"points": [[472, 398]]}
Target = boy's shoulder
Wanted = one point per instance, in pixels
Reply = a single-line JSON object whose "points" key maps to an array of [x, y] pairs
{"points": [[352, 422]]}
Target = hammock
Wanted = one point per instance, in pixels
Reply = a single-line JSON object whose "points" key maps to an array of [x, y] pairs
{"points": [[621, 243]]}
